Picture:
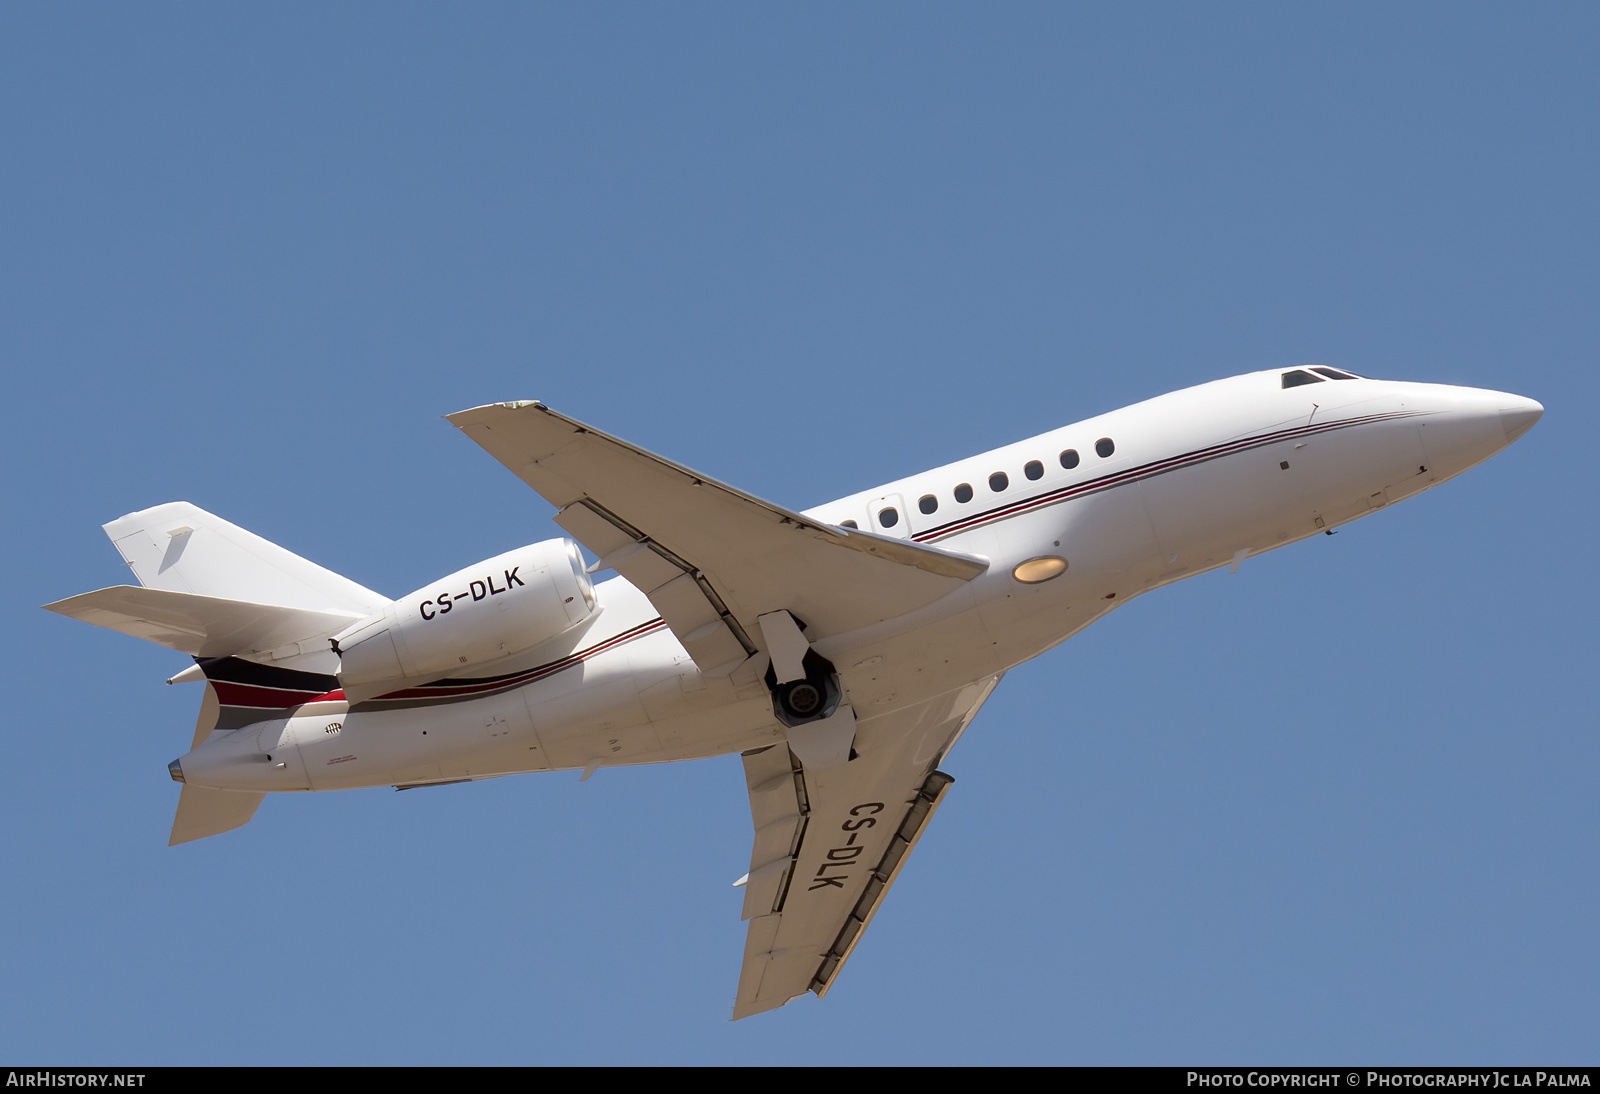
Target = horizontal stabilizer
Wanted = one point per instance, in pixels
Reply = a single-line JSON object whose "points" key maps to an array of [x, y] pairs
{"points": [[207, 626]]}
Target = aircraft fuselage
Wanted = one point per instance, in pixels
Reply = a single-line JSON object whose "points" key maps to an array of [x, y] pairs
{"points": [[1128, 501]]}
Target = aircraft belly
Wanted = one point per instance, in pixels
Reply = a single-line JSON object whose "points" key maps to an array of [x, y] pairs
{"points": [[1351, 470], [596, 711], [1111, 554], [1203, 514], [458, 740], [1261, 498], [884, 671], [603, 719], [648, 703]]}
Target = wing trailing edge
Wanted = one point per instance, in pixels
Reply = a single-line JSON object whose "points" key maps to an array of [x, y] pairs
{"points": [[207, 626], [710, 557], [829, 844]]}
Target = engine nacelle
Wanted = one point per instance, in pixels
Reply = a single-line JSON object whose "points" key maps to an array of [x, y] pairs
{"points": [[483, 613]]}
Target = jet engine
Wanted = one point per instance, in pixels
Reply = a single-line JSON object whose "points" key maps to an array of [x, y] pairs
{"points": [[486, 612]]}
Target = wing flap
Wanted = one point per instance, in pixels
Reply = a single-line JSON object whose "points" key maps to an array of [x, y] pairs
{"points": [[901, 844], [682, 594], [747, 556], [713, 640], [857, 826], [759, 940], [772, 777], [604, 537]]}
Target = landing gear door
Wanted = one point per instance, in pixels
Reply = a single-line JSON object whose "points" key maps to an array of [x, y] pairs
{"points": [[888, 515]]}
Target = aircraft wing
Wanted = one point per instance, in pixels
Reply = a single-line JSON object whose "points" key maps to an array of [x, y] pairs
{"points": [[829, 844], [710, 558]]}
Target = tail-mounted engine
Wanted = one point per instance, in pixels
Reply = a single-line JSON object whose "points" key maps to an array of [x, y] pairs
{"points": [[484, 613]]}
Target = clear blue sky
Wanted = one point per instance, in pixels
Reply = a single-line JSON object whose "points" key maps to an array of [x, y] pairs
{"points": [[1340, 806]]}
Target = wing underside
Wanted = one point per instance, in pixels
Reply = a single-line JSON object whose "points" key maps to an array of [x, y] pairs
{"points": [[828, 845], [711, 558], [831, 837]]}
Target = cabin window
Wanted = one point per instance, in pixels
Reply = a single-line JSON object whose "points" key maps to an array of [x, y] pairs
{"points": [[1104, 447], [928, 503], [964, 493], [1069, 458], [998, 481], [889, 517], [849, 524], [1298, 377], [1033, 469], [1335, 374]]}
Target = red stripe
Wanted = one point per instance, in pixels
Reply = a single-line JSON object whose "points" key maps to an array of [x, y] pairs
{"points": [[274, 698], [246, 695], [486, 687], [1171, 463], [249, 695]]}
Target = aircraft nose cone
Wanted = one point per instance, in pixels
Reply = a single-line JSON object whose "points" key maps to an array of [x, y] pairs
{"points": [[1518, 415]]}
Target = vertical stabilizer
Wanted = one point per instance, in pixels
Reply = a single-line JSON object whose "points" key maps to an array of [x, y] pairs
{"points": [[205, 812], [182, 548]]}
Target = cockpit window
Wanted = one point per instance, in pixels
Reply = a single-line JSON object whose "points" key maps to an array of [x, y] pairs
{"points": [[1335, 374], [1299, 376]]}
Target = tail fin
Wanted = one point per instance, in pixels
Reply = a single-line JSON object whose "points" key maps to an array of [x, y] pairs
{"points": [[184, 549], [205, 812], [254, 616]]}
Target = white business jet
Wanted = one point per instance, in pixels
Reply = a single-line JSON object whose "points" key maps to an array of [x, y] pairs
{"points": [[840, 651]]}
